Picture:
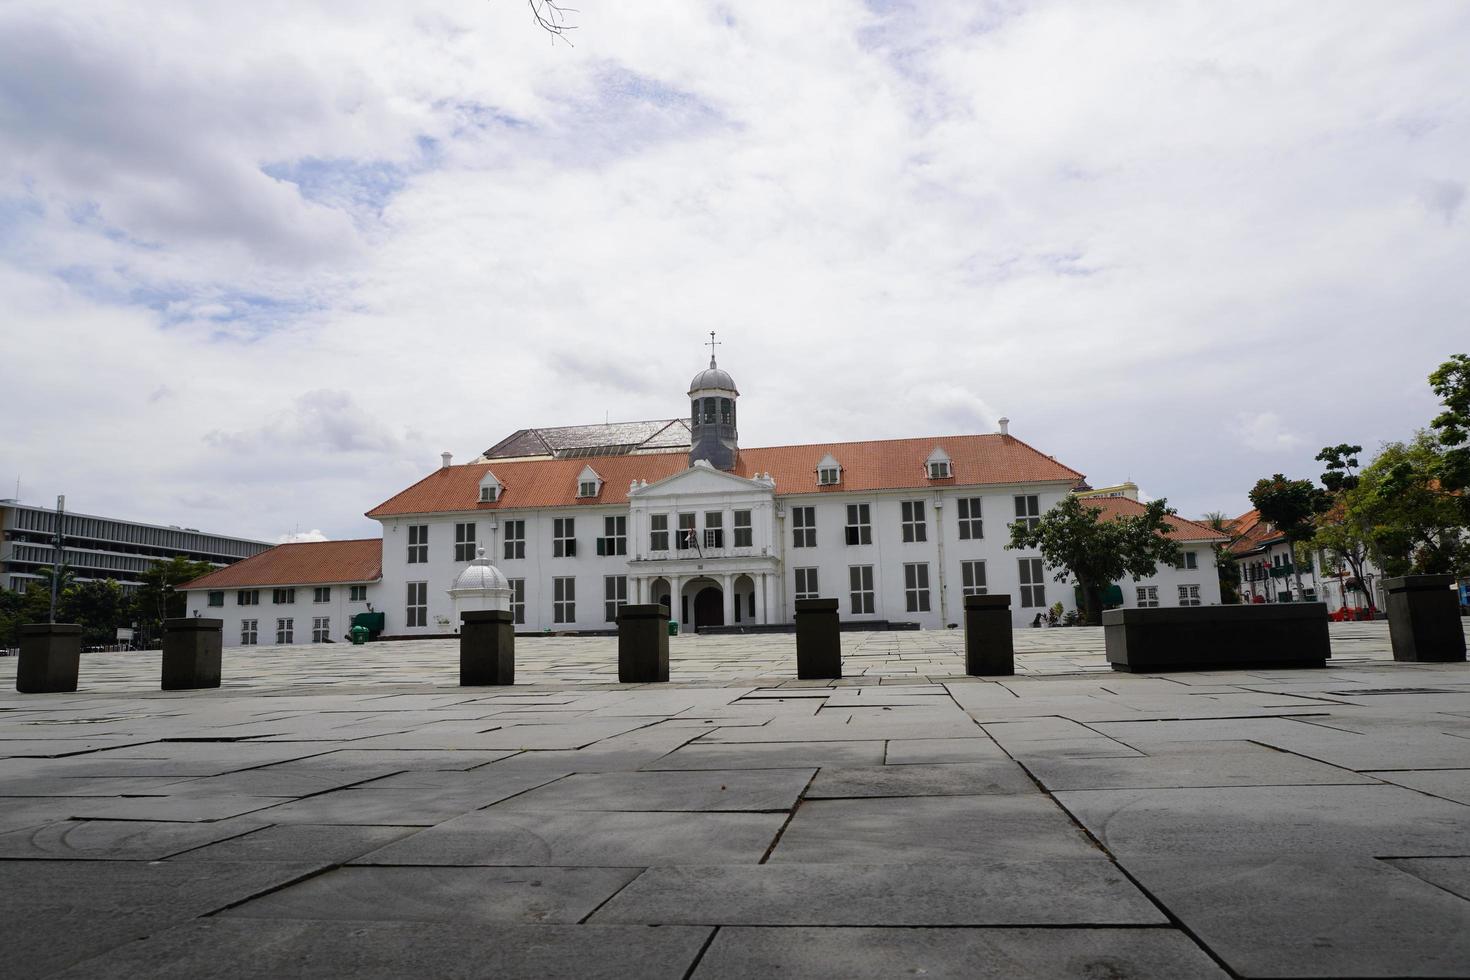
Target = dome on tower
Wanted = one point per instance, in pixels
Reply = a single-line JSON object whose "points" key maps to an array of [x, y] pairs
{"points": [[713, 377], [479, 574]]}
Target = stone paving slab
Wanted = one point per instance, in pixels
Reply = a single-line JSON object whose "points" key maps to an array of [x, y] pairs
{"points": [[1065, 821], [269, 949], [739, 952], [467, 895], [999, 893], [601, 839], [931, 830]]}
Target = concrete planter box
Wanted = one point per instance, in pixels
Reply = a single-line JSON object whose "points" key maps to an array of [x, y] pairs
{"points": [[487, 648], [1217, 637], [50, 656], [818, 640], [989, 645], [192, 651], [1424, 619], [643, 644]]}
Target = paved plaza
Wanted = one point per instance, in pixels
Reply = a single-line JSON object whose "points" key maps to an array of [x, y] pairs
{"points": [[351, 811]]}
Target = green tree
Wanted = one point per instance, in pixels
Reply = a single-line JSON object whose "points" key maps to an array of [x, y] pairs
{"points": [[1074, 539], [1289, 506], [1342, 530], [1226, 566], [1451, 382], [1415, 524], [99, 607], [158, 598]]}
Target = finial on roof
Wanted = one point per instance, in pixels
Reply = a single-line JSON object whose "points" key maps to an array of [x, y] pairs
{"points": [[712, 345]]}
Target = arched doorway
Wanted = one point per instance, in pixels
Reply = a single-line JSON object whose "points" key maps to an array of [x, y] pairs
{"points": [[709, 607]]}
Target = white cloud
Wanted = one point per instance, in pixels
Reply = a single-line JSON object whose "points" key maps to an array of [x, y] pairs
{"points": [[296, 537], [342, 244], [1265, 432]]}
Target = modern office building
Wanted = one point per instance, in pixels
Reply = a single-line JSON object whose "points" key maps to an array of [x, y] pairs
{"points": [[102, 547]]}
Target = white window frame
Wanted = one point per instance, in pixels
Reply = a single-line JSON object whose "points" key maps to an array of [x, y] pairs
{"points": [[416, 607], [1189, 594], [939, 469], [321, 593], [805, 585], [803, 527], [357, 593], [688, 534], [829, 476], [1188, 561], [564, 599], [614, 596], [564, 537], [515, 539], [658, 532], [859, 530], [916, 586], [714, 530], [283, 597], [1032, 576], [285, 631], [915, 528], [464, 541], [1147, 596], [972, 577], [249, 632], [1028, 509], [614, 540], [586, 488], [861, 594], [517, 600], [744, 530], [216, 598], [321, 629], [418, 544], [972, 524], [247, 597]]}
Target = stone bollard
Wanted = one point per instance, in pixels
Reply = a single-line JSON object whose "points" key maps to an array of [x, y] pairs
{"points": [[818, 640], [643, 644], [487, 648], [50, 655], [192, 648], [989, 649], [1424, 619]]}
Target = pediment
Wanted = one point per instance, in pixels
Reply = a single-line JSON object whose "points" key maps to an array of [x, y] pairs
{"points": [[701, 479]]}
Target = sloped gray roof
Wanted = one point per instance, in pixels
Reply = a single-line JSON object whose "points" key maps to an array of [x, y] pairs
{"points": [[610, 439]]}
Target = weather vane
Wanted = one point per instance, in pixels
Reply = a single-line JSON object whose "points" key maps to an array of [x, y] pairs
{"points": [[712, 345]]}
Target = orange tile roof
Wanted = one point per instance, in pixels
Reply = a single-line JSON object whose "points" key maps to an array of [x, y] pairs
{"points": [[1249, 533], [304, 563], [889, 464], [1181, 529]]}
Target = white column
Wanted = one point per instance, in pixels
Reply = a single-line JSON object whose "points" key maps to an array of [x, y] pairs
{"points": [[727, 597], [760, 598], [674, 604]]}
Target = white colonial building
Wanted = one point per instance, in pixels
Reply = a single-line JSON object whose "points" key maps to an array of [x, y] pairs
{"points": [[582, 520]]}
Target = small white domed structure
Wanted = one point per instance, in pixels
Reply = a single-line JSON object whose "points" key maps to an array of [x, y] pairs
{"points": [[480, 586]]}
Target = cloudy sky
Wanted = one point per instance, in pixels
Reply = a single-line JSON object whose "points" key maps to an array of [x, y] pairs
{"points": [[260, 263]]}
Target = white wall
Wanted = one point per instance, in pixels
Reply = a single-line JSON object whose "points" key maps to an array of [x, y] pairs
{"points": [[338, 610]]}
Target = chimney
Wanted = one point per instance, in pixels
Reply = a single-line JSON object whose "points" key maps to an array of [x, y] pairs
{"points": [[446, 457], [1005, 426]]}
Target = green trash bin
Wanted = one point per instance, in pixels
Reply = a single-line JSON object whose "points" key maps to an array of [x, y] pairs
{"points": [[358, 635], [673, 627]]}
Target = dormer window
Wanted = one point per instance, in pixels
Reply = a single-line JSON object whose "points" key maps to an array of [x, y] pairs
{"points": [[589, 484], [490, 488], [829, 472], [938, 466]]}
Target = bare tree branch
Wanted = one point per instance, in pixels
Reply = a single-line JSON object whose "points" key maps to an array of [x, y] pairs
{"points": [[552, 17]]}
